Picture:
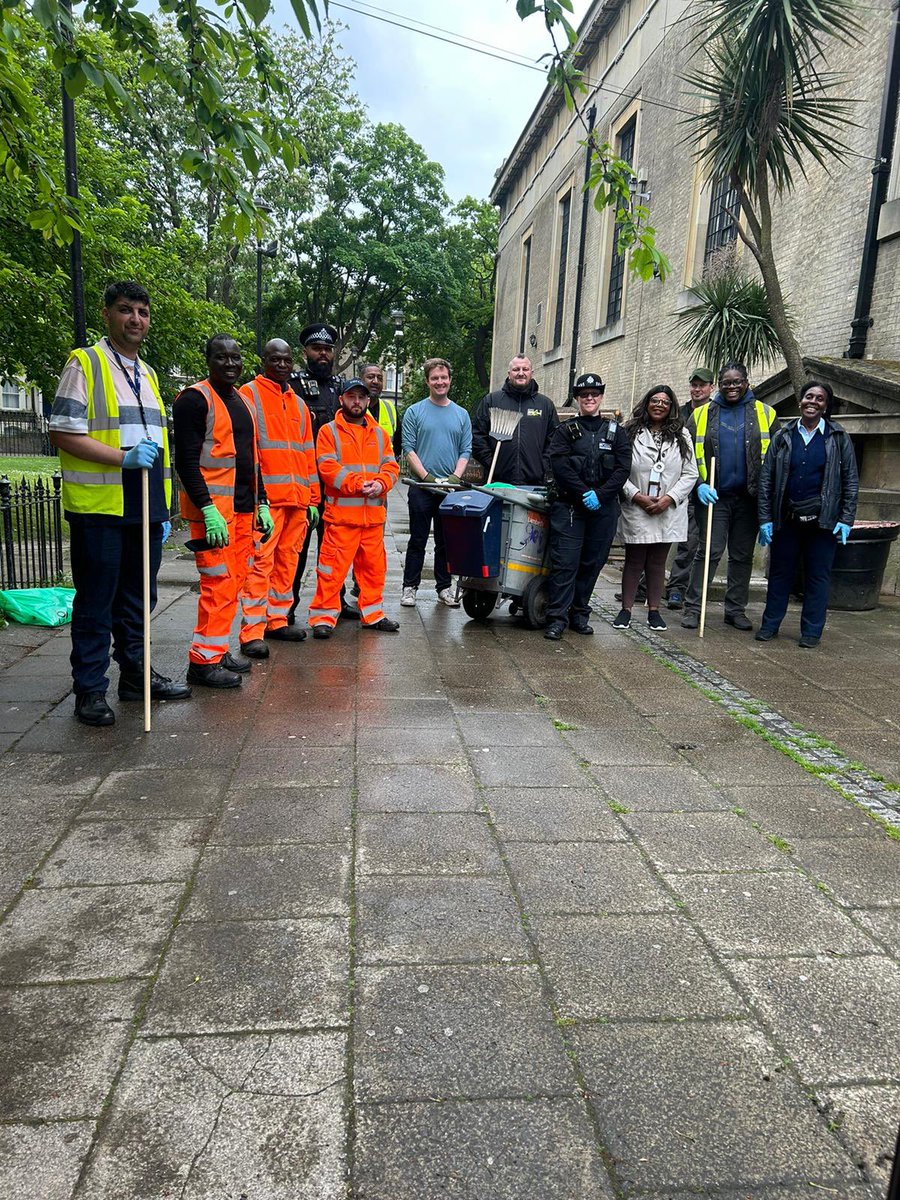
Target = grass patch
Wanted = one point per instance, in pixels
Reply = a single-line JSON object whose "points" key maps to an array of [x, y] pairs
{"points": [[780, 844], [30, 465], [739, 812], [564, 726], [617, 807]]}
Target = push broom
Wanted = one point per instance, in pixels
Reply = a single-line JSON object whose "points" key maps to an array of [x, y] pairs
{"points": [[504, 423]]}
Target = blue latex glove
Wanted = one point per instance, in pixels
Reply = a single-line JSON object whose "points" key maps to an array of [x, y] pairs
{"points": [[842, 532], [141, 456], [765, 534], [167, 530], [590, 501], [707, 495]]}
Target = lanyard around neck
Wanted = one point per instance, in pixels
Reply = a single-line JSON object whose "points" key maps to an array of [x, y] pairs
{"points": [[133, 382]]}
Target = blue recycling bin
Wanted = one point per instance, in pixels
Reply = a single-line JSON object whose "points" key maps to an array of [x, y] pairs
{"points": [[472, 524]]}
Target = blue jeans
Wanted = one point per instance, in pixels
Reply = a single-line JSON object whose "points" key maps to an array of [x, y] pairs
{"points": [[107, 570], [815, 547]]}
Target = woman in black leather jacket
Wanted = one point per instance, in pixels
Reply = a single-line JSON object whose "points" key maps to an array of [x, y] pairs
{"points": [[808, 489]]}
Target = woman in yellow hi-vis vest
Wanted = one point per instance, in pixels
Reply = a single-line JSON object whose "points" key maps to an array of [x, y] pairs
{"points": [[108, 423], [734, 428]]}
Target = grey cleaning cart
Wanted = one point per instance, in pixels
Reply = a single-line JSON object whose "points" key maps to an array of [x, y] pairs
{"points": [[498, 544]]}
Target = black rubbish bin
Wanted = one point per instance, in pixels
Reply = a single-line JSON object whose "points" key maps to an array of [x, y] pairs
{"points": [[472, 523], [858, 570]]}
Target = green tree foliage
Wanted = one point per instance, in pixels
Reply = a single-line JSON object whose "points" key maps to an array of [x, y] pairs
{"points": [[217, 42], [769, 110]]}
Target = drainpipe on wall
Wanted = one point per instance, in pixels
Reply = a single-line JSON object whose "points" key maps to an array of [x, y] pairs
{"points": [[862, 319], [582, 239]]}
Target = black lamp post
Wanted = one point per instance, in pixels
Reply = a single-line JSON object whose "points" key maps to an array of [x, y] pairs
{"points": [[76, 268], [262, 252], [397, 318]]}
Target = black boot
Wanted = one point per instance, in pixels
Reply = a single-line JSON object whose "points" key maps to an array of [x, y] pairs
{"points": [[91, 709], [212, 675], [131, 686]]}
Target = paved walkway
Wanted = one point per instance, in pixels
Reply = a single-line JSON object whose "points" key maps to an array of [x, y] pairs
{"points": [[459, 912]]}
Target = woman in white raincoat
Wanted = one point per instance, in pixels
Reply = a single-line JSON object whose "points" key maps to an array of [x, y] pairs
{"points": [[654, 500]]}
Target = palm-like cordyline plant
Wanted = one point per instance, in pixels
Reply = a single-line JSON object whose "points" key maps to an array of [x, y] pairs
{"points": [[769, 108], [730, 321]]}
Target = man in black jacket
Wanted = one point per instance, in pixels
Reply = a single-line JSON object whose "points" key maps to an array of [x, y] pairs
{"points": [[521, 461], [590, 460]]}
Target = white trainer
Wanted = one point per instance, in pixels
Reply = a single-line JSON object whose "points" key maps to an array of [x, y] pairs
{"points": [[408, 599], [448, 596]]}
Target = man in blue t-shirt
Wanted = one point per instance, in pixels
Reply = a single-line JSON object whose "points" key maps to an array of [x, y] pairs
{"points": [[437, 442]]}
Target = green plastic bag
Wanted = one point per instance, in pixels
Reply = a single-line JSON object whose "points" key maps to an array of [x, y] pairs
{"points": [[38, 606]]}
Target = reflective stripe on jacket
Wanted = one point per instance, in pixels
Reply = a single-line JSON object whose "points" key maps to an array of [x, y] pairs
{"points": [[387, 416], [705, 424], [91, 487], [287, 453], [350, 455], [218, 458]]}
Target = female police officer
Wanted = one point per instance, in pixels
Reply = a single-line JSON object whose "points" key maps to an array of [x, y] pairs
{"points": [[589, 459]]}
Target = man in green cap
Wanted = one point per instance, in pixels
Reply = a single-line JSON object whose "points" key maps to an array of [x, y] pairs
{"points": [[701, 383]]}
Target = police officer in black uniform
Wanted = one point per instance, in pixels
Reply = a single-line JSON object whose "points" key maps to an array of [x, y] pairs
{"points": [[590, 459], [320, 388]]}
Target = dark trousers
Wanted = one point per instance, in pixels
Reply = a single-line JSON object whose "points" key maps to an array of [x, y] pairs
{"points": [[107, 570], [734, 526], [579, 548], [800, 542], [423, 513], [685, 553]]}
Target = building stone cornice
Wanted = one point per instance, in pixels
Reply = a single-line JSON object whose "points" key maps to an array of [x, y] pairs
{"points": [[599, 17]]}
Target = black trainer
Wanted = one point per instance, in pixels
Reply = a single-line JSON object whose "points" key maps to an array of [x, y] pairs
{"points": [[654, 620], [286, 633], [91, 709], [581, 627], [765, 635], [739, 621], [255, 649], [554, 631], [212, 675], [808, 643], [690, 620], [131, 687], [623, 620]]}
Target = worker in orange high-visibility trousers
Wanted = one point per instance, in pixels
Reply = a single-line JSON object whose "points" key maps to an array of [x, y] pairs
{"points": [[357, 469], [287, 457], [223, 498]]}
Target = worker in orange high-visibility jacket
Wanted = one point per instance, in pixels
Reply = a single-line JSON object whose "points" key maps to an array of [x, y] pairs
{"points": [[357, 469], [287, 458], [223, 498]]}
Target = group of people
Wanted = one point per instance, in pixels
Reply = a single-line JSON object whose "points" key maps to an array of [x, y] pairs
{"points": [[292, 452]]}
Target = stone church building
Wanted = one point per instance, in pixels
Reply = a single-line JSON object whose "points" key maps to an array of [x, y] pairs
{"points": [[566, 298]]}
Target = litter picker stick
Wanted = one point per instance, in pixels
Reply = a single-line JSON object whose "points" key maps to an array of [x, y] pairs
{"points": [[145, 546], [504, 423], [709, 521]]}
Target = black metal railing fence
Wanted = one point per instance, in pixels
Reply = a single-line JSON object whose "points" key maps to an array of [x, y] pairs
{"points": [[31, 532], [24, 434]]}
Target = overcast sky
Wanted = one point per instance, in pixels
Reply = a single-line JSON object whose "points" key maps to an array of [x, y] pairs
{"points": [[465, 109]]}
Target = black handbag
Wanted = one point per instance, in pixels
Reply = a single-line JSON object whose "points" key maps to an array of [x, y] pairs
{"points": [[806, 510]]}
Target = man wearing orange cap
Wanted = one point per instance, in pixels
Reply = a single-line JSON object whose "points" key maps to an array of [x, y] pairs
{"points": [[357, 469], [287, 457]]}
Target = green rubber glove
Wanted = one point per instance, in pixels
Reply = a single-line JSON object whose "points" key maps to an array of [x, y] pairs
{"points": [[429, 478], [453, 479], [216, 526], [264, 522], [312, 516]]}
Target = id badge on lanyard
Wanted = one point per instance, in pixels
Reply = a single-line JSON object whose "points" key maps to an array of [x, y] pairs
{"points": [[654, 487]]}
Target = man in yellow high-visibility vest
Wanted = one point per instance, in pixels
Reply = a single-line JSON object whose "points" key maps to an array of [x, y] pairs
{"points": [[109, 423], [383, 411], [734, 428]]}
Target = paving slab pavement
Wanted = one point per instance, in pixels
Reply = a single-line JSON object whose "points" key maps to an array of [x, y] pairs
{"points": [[455, 912]]}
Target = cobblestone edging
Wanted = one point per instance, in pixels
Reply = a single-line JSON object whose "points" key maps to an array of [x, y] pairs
{"points": [[816, 755]]}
